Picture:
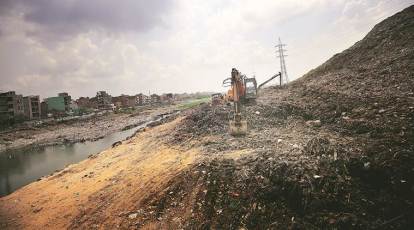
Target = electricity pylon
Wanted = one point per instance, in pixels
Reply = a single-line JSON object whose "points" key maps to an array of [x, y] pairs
{"points": [[281, 55]]}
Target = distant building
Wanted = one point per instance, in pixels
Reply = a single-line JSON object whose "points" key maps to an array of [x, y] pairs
{"points": [[67, 100], [142, 99], [155, 99], [11, 105], [86, 103], [132, 101], [56, 105], [31, 106], [117, 101], [74, 108], [167, 98], [124, 101], [43, 109], [73, 105], [104, 100]]}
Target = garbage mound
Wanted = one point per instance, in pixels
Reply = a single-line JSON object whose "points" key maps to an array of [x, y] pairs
{"points": [[368, 88], [332, 150]]}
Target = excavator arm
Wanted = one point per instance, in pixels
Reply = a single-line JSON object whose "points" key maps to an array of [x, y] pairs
{"points": [[238, 126], [273, 77]]}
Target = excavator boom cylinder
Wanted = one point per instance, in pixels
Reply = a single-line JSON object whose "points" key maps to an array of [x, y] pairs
{"points": [[238, 126]]}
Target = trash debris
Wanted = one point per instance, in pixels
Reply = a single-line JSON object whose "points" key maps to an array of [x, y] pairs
{"points": [[315, 123], [325, 174], [132, 216]]}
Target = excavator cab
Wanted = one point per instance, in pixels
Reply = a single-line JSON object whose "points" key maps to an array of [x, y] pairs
{"points": [[247, 88], [250, 88]]}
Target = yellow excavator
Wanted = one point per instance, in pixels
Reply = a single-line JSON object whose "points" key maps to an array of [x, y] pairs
{"points": [[247, 87], [242, 89]]}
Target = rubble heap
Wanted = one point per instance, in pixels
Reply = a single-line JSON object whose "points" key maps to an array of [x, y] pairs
{"points": [[332, 150]]}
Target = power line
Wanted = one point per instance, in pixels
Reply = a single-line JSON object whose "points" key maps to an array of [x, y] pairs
{"points": [[281, 55]]}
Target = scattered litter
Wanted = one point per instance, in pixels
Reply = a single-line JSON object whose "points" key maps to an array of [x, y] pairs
{"points": [[132, 216], [315, 123]]}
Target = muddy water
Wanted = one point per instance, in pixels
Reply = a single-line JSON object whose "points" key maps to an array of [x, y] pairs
{"points": [[19, 168]]}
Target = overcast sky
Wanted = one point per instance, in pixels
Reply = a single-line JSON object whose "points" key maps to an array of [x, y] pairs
{"points": [[133, 46]]}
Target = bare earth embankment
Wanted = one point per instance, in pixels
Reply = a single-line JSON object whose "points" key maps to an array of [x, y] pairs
{"points": [[104, 188]]}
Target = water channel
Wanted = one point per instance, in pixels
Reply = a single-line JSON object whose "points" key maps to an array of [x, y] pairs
{"points": [[21, 167]]}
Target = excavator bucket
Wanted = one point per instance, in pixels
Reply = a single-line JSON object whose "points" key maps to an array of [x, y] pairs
{"points": [[238, 128]]}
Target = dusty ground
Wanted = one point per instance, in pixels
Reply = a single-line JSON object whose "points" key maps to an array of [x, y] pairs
{"points": [[101, 191], [75, 131]]}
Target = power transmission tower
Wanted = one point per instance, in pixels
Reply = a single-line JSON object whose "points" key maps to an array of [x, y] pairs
{"points": [[281, 55]]}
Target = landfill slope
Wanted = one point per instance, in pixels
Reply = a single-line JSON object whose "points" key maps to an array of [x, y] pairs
{"points": [[332, 150], [370, 84]]}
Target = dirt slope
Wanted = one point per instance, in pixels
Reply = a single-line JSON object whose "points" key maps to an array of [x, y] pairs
{"points": [[100, 191]]}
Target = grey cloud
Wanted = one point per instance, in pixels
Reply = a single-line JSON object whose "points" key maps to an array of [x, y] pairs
{"points": [[68, 17], [5, 5]]}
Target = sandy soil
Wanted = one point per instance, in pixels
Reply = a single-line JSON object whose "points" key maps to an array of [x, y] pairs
{"points": [[98, 192]]}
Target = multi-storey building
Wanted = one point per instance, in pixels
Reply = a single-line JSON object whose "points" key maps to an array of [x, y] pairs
{"points": [[56, 105], [31, 105], [155, 99], [86, 102], [167, 98], [11, 105], [67, 100], [142, 99], [43, 109], [104, 100], [124, 101]]}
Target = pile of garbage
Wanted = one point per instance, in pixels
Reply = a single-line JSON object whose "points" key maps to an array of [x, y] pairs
{"points": [[332, 150], [323, 189]]}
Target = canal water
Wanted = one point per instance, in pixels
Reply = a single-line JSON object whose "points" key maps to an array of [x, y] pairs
{"points": [[19, 168]]}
